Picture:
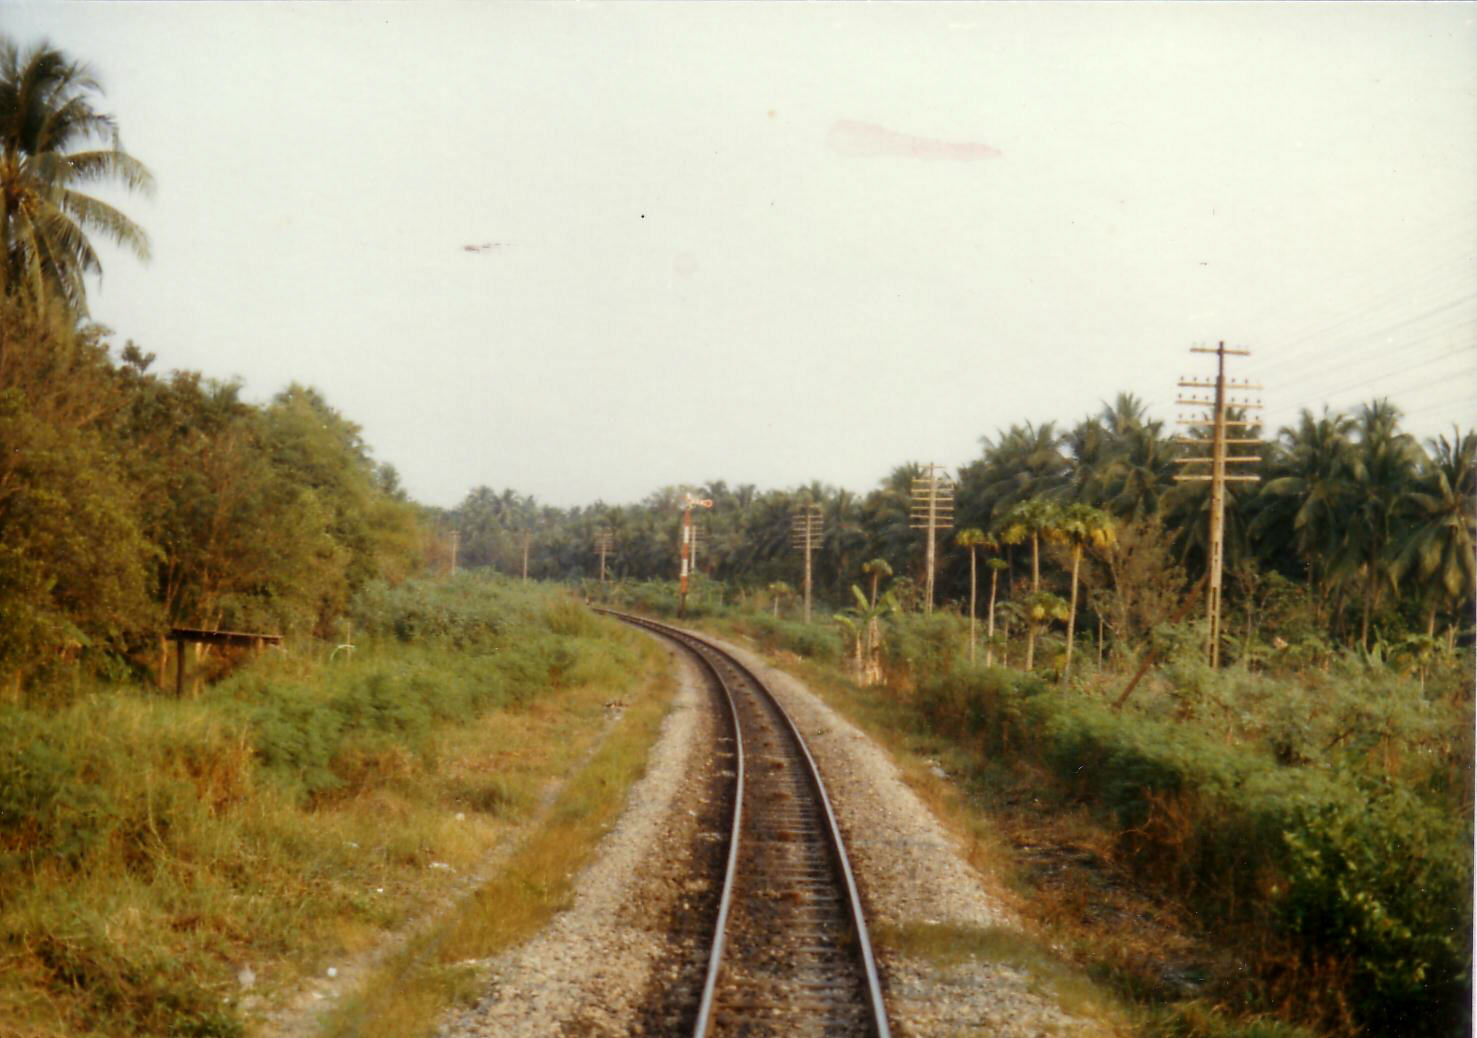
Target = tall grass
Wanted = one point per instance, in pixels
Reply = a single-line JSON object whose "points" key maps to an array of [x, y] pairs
{"points": [[152, 848]]}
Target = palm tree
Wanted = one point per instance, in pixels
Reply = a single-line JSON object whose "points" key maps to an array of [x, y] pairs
{"points": [[1306, 498], [996, 565], [50, 145], [972, 538], [1034, 519], [876, 569], [1081, 525], [1440, 550], [777, 591], [1023, 462], [1380, 477]]}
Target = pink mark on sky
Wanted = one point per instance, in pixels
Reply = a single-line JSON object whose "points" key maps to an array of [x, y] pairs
{"points": [[867, 140]]}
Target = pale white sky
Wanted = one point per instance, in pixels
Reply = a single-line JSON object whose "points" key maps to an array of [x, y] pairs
{"points": [[775, 243]]}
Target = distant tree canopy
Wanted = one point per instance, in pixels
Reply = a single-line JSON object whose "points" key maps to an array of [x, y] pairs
{"points": [[1370, 531]]}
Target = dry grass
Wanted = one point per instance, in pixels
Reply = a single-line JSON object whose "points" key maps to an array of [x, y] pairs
{"points": [[408, 994]]}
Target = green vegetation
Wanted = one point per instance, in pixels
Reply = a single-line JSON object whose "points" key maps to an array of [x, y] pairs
{"points": [[152, 848], [1316, 822]]}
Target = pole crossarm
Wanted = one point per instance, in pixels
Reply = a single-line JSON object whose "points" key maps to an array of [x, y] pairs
{"points": [[931, 509], [805, 535], [1217, 422]]}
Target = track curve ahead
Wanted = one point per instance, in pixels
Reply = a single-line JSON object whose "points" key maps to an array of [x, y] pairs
{"points": [[790, 953]]}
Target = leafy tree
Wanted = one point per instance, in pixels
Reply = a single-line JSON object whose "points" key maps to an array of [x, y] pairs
{"points": [[73, 561], [53, 144]]}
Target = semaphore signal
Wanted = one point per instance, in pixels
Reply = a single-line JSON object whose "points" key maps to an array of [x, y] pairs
{"points": [[686, 549]]}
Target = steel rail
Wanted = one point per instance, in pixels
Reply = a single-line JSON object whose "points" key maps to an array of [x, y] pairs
{"points": [[834, 840]]}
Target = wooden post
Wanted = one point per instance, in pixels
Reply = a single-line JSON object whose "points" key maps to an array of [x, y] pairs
{"points": [[931, 509], [179, 668], [805, 530], [1217, 476]]}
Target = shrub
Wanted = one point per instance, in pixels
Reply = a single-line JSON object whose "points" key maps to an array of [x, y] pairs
{"points": [[1350, 866]]}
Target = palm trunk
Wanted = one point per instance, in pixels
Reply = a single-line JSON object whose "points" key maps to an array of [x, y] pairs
{"points": [[1368, 608], [1072, 612], [990, 623], [1035, 589], [971, 603]]}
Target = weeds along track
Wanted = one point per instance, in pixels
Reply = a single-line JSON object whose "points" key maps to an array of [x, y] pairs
{"points": [[789, 952]]}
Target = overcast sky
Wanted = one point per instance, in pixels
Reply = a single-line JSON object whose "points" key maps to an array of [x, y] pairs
{"points": [[771, 244]]}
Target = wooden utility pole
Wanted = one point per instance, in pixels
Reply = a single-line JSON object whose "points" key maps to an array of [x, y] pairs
{"points": [[685, 551], [456, 537], [603, 542], [527, 542], [805, 535], [932, 510], [1215, 409]]}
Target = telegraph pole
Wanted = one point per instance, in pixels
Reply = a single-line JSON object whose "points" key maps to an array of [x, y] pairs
{"points": [[1215, 408], [932, 509], [805, 534], [686, 549], [603, 542]]}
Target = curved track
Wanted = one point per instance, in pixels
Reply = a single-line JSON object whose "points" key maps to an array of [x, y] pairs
{"points": [[790, 953]]}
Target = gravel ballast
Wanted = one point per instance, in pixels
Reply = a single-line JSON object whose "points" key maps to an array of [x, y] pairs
{"points": [[590, 970]]}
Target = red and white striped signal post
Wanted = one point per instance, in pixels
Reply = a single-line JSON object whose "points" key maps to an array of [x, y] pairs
{"points": [[692, 502]]}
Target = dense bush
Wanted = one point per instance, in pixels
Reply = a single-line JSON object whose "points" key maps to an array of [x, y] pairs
{"points": [[1349, 867]]}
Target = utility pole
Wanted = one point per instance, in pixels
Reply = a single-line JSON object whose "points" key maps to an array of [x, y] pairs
{"points": [[932, 509], [527, 541], [686, 549], [1215, 420], [603, 543], [456, 537], [805, 536]]}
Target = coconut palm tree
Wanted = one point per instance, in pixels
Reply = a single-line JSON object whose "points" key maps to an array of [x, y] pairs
{"points": [[53, 143], [1380, 479], [1305, 500], [1440, 551]]}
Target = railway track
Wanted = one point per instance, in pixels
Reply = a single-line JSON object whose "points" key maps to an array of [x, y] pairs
{"points": [[789, 952]]}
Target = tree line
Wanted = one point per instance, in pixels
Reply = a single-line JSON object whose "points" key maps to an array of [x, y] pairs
{"points": [[132, 501], [1355, 530]]}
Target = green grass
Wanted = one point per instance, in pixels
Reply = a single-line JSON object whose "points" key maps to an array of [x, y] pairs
{"points": [[290, 815]]}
